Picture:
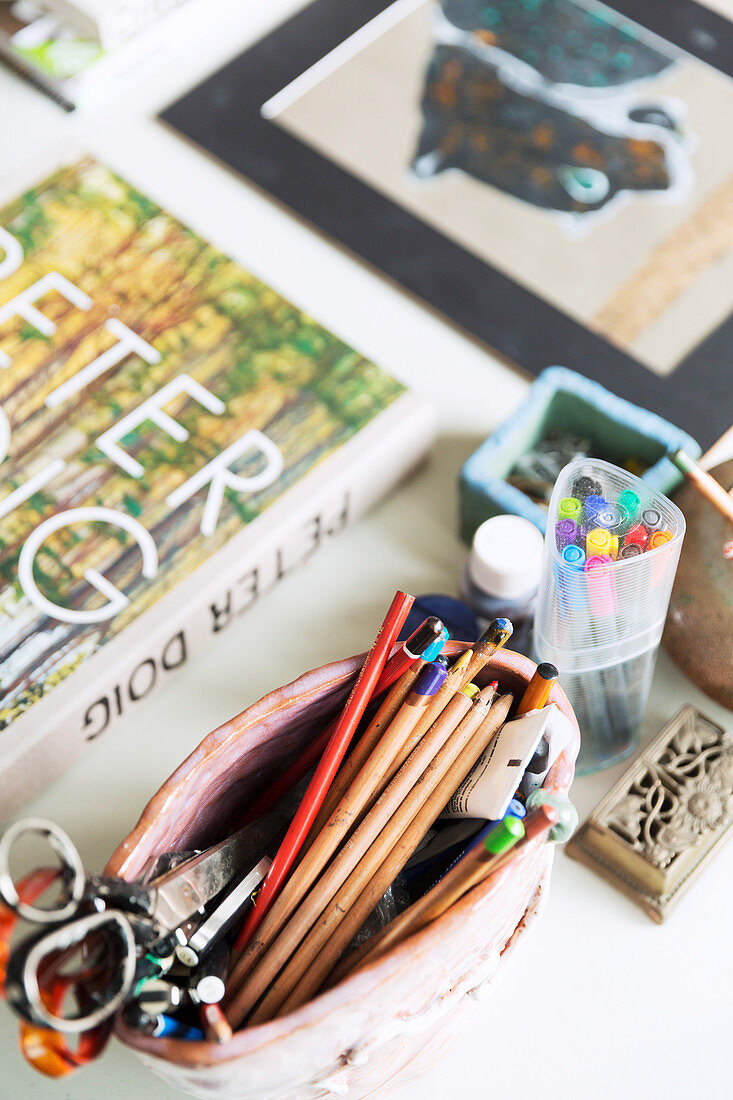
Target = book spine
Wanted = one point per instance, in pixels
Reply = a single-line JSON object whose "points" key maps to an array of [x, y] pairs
{"points": [[162, 641]]}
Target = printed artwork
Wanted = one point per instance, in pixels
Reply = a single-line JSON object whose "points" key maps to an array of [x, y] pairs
{"points": [[558, 141], [155, 398]]}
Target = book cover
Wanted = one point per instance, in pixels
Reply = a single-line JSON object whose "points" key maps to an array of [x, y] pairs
{"points": [[174, 435]]}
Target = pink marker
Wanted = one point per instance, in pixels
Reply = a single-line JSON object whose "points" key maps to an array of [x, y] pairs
{"points": [[601, 585]]}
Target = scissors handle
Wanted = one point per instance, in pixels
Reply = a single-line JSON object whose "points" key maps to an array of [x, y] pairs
{"points": [[33, 966], [72, 871]]}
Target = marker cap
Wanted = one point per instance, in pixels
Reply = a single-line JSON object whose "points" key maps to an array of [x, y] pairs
{"points": [[433, 650], [430, 679], [504, 835], [425, 635], [566, 532], [630, 550], [570, 508], [638, 534], [506, 557], [658, 538], [601, 541], [574, 555], [629, 501], [585, 486], [652, 519]]}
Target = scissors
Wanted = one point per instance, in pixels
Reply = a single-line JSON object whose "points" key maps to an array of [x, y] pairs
{"points": [[102, 927]]}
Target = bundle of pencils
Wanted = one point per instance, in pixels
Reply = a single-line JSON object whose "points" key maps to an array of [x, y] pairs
{"points": [[364, 815]]}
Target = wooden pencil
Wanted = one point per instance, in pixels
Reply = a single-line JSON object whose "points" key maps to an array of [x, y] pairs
{"points": [[276, 939], [711, 489], [327, 766], [475, 866], [538, 690], [366, 744], [366, 785], [319, 952], [497, 633]]}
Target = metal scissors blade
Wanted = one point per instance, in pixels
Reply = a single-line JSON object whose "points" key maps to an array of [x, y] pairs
{"points": [[179, 893]]}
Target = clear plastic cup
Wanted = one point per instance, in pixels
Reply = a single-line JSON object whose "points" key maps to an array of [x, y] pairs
{"points": [[603, 599]]}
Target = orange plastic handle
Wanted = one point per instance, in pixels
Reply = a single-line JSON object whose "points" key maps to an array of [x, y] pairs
{"points": [[47, 1050], [29, 890]]}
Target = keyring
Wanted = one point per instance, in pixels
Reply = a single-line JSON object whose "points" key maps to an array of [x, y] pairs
{"points": [[71, 863]]}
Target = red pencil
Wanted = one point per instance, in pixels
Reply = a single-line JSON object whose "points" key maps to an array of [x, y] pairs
{"points": [[334, 753]]}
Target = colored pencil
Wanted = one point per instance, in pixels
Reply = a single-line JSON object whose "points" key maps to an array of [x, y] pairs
{"points": [[392, 812], [474, 867], [711, 489], [539, 688], [328, 765], [319, 953]]}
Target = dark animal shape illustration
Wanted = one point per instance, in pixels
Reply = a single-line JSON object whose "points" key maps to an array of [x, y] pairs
{"points": [[525, 147], [564, 42]]}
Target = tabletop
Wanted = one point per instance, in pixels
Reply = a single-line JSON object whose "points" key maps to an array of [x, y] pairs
{"points": [[599, 999]]}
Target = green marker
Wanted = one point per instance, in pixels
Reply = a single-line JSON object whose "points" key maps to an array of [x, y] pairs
{"points": [[631, 504], [570, 508], [504, 835]]}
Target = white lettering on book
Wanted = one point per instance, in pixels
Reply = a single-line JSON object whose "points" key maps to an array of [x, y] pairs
{"points": [[116, 600], [13, 254], [152, 409], [217, 473], [128, 342], [22, 305]]}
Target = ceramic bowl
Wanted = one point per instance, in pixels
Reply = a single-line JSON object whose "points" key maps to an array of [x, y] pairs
{"points": [[391, 1020]]}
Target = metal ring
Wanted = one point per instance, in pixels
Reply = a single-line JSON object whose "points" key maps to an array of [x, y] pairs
{"points": [[70, 935], [70, 860]]}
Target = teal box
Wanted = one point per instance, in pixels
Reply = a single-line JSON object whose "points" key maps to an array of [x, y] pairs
{"points": [[564, 400]]}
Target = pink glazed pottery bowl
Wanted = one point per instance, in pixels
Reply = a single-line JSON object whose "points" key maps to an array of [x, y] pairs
{"points": [[388, 1022]]}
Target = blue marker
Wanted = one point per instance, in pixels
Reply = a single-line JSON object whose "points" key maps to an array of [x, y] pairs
{"points": [[570, 578], [435, 647], [174, 1029]]}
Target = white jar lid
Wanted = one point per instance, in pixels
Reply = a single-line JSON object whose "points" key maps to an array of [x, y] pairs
{"points": [[506, 557]]}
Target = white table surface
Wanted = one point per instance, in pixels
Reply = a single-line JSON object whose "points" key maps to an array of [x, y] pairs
{"points": [[600, 1002]]}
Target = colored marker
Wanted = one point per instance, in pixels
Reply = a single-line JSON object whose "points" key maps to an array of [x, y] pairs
{"points": [[658, 538], [594, 507], [574, 555], [601, 587], [570, 579], [600, 541], [630, 550], [629, 501], [566, 532], [652, 519], [433, 651], [728, 551], [638, 534], [570, 508], [584, 487]]}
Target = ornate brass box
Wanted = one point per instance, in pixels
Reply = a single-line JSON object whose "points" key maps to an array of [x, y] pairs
{"points": [[667, 815]]}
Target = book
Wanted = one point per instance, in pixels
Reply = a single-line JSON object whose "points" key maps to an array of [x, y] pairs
{"points": [[109, 22], [175, 436], [77, 69]]}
